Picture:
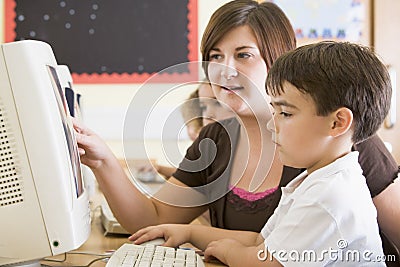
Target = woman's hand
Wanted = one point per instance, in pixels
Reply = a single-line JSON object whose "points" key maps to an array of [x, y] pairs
{"points": [[92, 149], [173, 234]]}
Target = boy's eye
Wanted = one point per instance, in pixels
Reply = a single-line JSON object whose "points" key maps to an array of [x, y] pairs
{"points": [[285, 114]]}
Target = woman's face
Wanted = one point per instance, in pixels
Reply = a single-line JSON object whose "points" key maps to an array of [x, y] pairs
{"points": [[212, 109], [238, 72]]}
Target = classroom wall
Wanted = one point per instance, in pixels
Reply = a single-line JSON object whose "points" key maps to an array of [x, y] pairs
{"points": [[386, 42]]}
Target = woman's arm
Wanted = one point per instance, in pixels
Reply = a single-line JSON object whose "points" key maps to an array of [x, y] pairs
{"points": [[380, 170], [132, 208], [165, 171], [387, 204]]}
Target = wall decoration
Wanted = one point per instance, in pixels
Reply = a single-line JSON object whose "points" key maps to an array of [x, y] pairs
{"points": [[341, 20]]}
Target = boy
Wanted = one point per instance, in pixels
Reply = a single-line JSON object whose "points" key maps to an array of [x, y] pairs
{"points": [[326, 97]]}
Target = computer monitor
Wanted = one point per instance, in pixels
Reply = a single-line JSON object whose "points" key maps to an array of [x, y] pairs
{"points": [[44, 208]]}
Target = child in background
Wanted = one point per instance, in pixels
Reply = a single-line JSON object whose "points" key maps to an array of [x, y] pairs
{"points": [[326, 97], [192, 115]]}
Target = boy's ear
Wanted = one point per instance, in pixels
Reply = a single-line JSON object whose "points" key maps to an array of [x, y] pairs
{"points": [[342, 120]]}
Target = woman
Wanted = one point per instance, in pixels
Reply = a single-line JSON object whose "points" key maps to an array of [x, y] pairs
{"points": [[239, 45]]}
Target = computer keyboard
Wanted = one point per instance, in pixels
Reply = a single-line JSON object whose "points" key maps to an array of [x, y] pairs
{"points": [[150, 255]]}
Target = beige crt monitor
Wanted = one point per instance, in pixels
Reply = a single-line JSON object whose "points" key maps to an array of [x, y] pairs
{"points": [[44, 208]]}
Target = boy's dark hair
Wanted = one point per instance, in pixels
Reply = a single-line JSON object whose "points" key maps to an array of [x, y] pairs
{"points": [[335, 75]]}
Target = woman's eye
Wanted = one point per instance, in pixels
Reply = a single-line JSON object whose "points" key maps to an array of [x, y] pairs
{"points": [[244, 55], [215, 57]]}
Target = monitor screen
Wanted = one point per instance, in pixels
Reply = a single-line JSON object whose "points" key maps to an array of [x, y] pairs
{"points": [[69, 137]]}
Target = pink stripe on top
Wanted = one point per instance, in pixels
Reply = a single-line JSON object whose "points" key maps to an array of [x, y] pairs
{"points": [[243, 194]]}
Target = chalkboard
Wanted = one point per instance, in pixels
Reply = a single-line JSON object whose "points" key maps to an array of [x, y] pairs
{"points": [[110, 40]]}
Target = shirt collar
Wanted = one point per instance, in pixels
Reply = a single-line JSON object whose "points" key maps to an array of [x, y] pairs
{"points": [[348, 161]]}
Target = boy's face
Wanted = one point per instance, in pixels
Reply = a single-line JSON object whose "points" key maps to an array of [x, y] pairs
{"points": [[301, 136]]}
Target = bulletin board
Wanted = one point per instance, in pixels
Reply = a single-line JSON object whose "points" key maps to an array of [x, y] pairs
{"points": [[340, 20], [118, 41]]}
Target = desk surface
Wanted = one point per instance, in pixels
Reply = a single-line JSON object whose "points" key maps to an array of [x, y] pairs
{"points": [[96, 244]]}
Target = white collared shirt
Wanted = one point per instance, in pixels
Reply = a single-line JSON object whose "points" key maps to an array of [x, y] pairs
{"points": [[326, 219]]}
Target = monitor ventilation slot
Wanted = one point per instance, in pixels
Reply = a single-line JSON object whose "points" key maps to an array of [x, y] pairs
{"points": [[10, 178]]}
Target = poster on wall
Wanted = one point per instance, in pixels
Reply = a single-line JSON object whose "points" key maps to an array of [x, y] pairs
{"points": [[118, 41], [340, 20]]}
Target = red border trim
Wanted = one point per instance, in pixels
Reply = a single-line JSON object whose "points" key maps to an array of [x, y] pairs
{"points": [[9, 25], [10, 35]]}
